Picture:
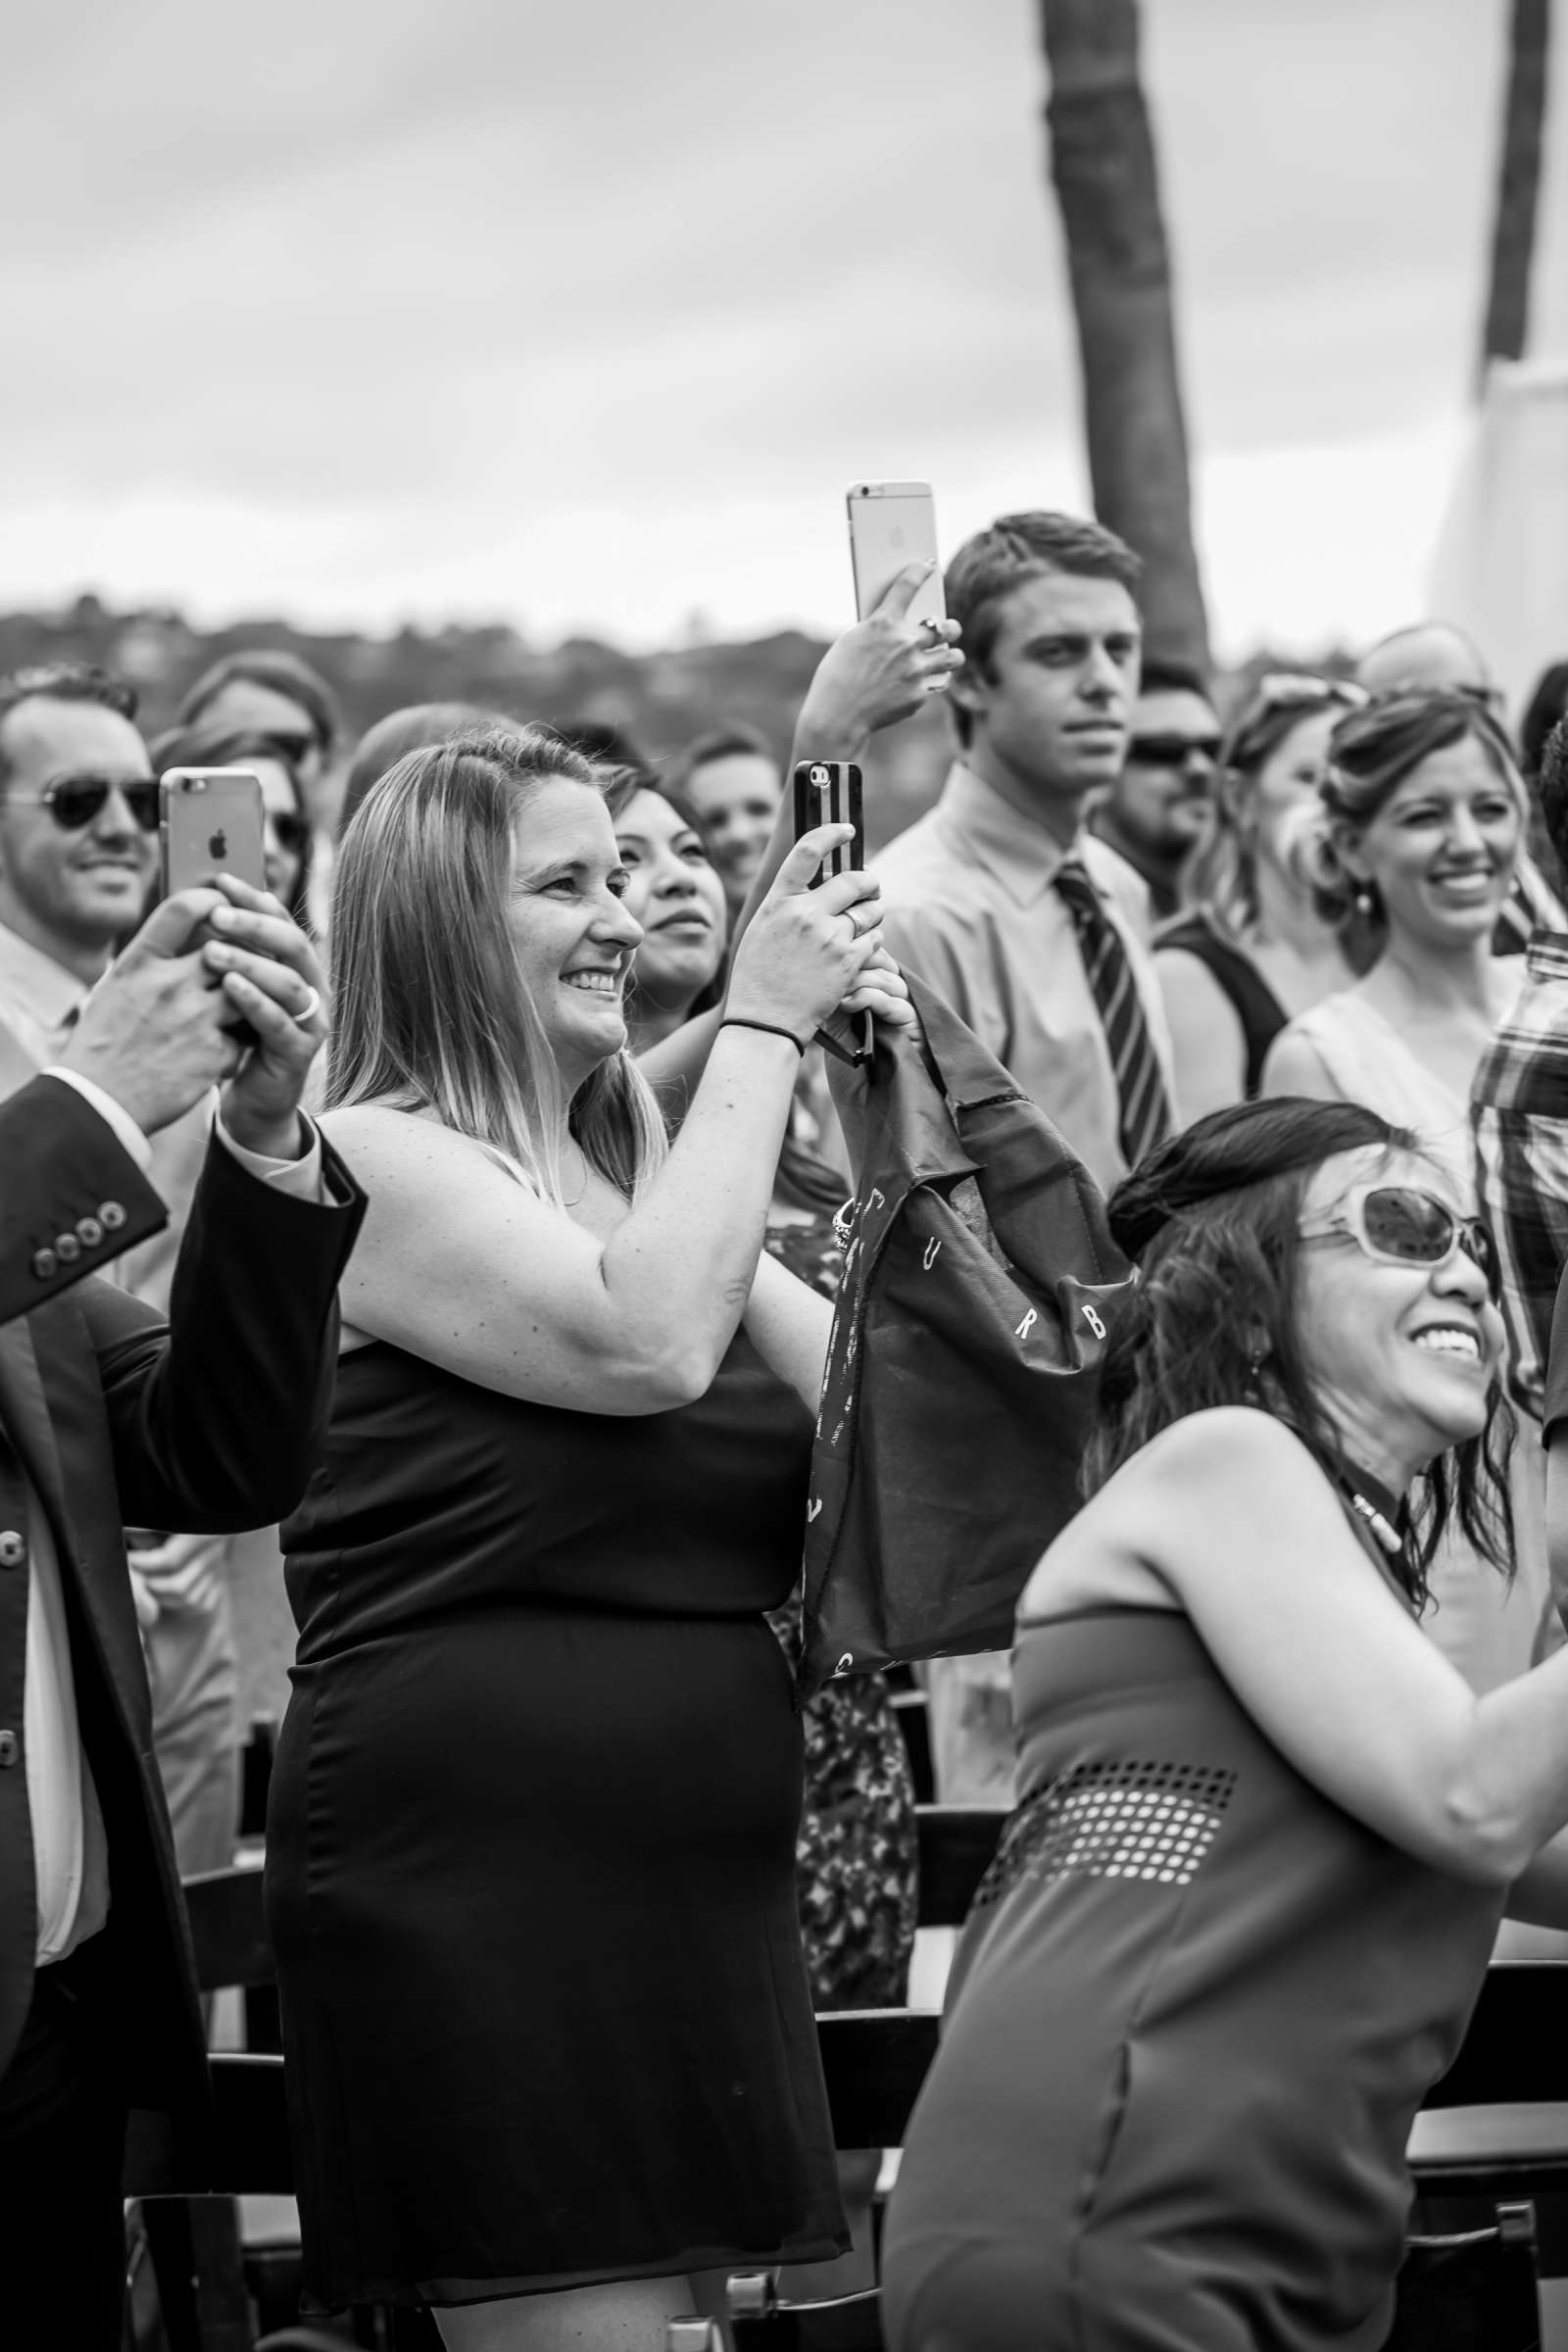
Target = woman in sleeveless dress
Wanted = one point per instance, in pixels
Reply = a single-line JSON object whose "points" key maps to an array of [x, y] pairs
{"points": [[531, 1837], [1427, 814], [1254, 946], [855, 1853], [1237, 1925]]}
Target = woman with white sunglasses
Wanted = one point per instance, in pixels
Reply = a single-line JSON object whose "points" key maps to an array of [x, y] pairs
{"points": [[1238, 1922]]}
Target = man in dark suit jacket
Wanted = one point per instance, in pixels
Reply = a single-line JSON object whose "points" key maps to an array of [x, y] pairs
{"points": [[110, 1416]]}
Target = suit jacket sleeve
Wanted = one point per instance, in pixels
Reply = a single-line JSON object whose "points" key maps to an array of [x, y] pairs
{"points": [[71, 1196], [217, 1416]]}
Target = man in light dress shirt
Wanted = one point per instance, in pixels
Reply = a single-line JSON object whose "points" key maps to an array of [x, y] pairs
{"points": [[212, 1421], [1052, 643], [67, 893]]}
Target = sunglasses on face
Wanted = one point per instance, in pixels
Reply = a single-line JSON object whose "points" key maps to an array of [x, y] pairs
{"points": [[1284, 689], [291, 830], [76, 800], [295, 745], [1173, 751], [1401, 1225]]}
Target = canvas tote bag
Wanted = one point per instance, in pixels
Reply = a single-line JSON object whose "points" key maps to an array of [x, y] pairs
{"points": [[980, 1282]]}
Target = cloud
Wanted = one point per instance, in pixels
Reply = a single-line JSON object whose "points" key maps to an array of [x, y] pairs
{"points": [[366, 308]]}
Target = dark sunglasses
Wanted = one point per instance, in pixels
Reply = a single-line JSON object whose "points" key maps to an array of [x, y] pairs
{"points": [[1284, 689], [292, 831], [1173, 751], [295, 745], [74, 800], [1399, 1225]]}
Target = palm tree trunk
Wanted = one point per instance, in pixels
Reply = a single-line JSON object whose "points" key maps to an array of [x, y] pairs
{"points": [[1513, 228], [1118, 264]]}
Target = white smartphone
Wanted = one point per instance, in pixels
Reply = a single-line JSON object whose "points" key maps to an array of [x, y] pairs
{"points": [[890, 524]]}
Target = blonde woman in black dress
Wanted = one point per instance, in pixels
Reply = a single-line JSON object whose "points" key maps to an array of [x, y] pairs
{"points": [[530, 1852]]}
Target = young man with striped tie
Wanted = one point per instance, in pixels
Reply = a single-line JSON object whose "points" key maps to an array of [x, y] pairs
{"points": [[1031, 927]]}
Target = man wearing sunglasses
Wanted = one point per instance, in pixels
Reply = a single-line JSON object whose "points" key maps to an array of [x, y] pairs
{"points": [[78, 848], [1154, 813], [78, 843]]}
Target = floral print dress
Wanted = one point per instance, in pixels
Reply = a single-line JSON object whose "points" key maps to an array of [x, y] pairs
{"points": [[856, 1857]]}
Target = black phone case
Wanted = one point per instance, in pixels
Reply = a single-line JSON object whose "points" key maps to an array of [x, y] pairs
{"points": [[827, 792]]}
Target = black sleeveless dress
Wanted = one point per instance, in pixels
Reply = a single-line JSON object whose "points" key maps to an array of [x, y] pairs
{"points": [[530, 1843], [1258, 1009], [1194, 2012]]}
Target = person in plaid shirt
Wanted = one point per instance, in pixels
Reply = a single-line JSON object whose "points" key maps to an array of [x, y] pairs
{"points": [[1519, 1112]]}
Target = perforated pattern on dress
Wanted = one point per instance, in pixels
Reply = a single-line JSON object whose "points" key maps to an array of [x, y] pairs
{"points": [[1136, 1819]]}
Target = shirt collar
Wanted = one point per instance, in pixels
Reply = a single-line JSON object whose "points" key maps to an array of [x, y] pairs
{"points": [[33, 986], [1546, 956], [1019, 853]]}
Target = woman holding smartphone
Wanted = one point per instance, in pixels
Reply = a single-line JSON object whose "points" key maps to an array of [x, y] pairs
{"points": [[531, 1842]]}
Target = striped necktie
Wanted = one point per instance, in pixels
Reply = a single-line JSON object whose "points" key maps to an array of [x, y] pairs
{"points": [[1144, 1107]]}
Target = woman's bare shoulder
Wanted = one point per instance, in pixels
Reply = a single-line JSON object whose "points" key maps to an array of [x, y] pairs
{"points": [[1114, 1553], [398, 1138]]}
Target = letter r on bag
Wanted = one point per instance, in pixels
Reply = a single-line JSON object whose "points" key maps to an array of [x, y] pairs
{"points": [[1027, 1325]]}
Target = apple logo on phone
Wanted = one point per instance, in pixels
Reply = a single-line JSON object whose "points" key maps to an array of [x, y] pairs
{"points": [[217, 844]]}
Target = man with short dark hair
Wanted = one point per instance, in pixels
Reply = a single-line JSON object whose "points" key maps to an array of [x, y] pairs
{"points": [[1156, 813], [999, 896], [210, 1420], [1032, 928], [79, 850]]}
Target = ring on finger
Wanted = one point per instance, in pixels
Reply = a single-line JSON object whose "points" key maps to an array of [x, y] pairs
{"points": [[308, 1011]]}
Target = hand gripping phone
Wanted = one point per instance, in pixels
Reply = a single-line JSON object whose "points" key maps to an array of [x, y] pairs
{"points": [[827, 792], [890, 524], [210, 823]]}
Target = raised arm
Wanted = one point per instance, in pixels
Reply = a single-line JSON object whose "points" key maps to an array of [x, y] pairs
{"points": [[1230, 1511], [464, 1265], [881, 670]]}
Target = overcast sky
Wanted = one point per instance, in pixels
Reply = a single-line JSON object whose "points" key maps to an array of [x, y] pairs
{"points": [[582, 315]]}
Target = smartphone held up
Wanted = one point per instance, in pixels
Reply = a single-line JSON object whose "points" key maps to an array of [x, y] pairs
{"points": [[827, 792], [211, 822], [892, 524]]}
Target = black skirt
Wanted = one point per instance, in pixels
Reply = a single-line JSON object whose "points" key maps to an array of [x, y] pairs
{"points": [[530, 1881]]}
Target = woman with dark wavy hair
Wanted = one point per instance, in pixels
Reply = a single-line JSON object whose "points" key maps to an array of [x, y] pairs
{"points": [[1239, 1920]]}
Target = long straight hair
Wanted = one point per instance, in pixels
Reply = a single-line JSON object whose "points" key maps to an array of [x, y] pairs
{"points": [[431, 1009]]}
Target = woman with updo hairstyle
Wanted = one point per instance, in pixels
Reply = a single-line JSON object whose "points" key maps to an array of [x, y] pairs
{"points": [[531, 1837], [1239, 1920], [1255, 946], [1426, 815]]}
